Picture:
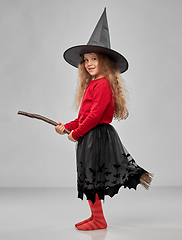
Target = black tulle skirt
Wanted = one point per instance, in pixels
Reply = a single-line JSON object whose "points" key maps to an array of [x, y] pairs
{"points": [[104, 165]]}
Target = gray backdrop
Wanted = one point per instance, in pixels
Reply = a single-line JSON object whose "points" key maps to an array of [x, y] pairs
{"points": [[35, 78]]}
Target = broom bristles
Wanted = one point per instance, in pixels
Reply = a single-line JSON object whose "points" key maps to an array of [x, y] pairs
{"points": [[146, 179]]}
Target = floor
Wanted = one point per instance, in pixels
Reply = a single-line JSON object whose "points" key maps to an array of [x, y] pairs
{"points": [[50, 214]]}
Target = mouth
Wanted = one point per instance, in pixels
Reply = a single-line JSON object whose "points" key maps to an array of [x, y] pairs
{"points": [[91, 69]]}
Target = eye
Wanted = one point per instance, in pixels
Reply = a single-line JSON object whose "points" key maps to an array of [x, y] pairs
{"points": [[94, 59], [86, 60]]}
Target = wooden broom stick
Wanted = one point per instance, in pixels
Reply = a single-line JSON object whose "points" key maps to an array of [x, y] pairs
{"points": [[41, 118]]}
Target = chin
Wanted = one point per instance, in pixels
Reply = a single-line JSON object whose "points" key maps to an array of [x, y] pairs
{"points": [[92, 75]]}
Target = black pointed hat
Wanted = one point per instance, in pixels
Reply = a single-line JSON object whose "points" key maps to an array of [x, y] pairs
{"points": [[99, 42]]}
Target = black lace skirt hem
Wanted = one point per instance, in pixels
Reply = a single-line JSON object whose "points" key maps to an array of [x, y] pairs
{"points": [[109, 191]]}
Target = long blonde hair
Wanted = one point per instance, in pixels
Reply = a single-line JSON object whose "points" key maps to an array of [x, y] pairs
{"points": [[112, 74]]}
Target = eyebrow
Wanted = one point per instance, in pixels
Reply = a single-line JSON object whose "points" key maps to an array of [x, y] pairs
{"points": [[93, 56]]}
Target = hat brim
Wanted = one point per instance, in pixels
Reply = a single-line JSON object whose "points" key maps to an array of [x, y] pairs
{"points": [[73, 54]]}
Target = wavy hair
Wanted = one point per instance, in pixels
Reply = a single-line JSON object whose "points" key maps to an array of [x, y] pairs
{"points": [[112, 74]]}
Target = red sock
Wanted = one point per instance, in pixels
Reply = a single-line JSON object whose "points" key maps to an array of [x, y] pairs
{"points": [[97, 220], [85, 221]]}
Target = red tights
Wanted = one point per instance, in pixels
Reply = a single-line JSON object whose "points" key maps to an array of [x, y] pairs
{"points": [[97, 220]]}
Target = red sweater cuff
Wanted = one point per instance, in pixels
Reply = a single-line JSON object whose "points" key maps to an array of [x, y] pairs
{"points": [[67, 127], [75, 135]]}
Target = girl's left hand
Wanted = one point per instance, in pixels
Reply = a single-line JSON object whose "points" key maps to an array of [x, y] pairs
{"points": [[70, 137]]}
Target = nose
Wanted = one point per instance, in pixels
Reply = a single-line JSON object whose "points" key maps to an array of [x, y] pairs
{"points": [[91, 62]]}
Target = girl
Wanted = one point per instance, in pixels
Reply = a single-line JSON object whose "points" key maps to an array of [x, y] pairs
{"points": [[103, 163]]}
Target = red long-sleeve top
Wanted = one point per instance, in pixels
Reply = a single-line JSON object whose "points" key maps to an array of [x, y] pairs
{"points": [[97, 107]]}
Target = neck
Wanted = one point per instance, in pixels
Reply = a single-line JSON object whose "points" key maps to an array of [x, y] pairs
{"points": [[97, 77]]}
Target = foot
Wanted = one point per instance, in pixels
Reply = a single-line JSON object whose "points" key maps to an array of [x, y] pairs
{"points": [[93, 225], [83, 222]]}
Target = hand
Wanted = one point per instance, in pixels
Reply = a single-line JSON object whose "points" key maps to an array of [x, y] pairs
{"points": [[60, 128], [70, 137]]}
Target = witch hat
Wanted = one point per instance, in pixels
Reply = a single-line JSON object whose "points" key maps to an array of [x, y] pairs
{"points": [[99, 42]]}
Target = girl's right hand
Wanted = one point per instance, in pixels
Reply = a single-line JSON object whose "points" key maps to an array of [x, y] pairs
{"points": [[60, 128]]}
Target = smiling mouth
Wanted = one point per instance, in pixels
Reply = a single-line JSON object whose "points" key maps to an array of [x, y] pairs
{"points": [[91, 69]]}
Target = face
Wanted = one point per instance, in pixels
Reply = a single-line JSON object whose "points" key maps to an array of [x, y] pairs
{"points": [[92, 65]]}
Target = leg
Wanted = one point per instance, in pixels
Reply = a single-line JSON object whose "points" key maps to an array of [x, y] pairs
{"points": [[98, 221]]}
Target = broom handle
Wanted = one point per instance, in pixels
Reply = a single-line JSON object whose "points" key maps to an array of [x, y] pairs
{"points": [[41, 118]]}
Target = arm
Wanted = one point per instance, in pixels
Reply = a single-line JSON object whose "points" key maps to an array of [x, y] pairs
{"points": [[101, 98], [72, 125]]}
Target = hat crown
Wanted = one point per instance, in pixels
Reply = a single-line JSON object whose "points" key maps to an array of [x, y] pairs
{"points": [[100, 36]]}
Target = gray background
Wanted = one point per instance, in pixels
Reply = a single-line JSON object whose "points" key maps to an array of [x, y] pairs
{"points": [[35, 78]]}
